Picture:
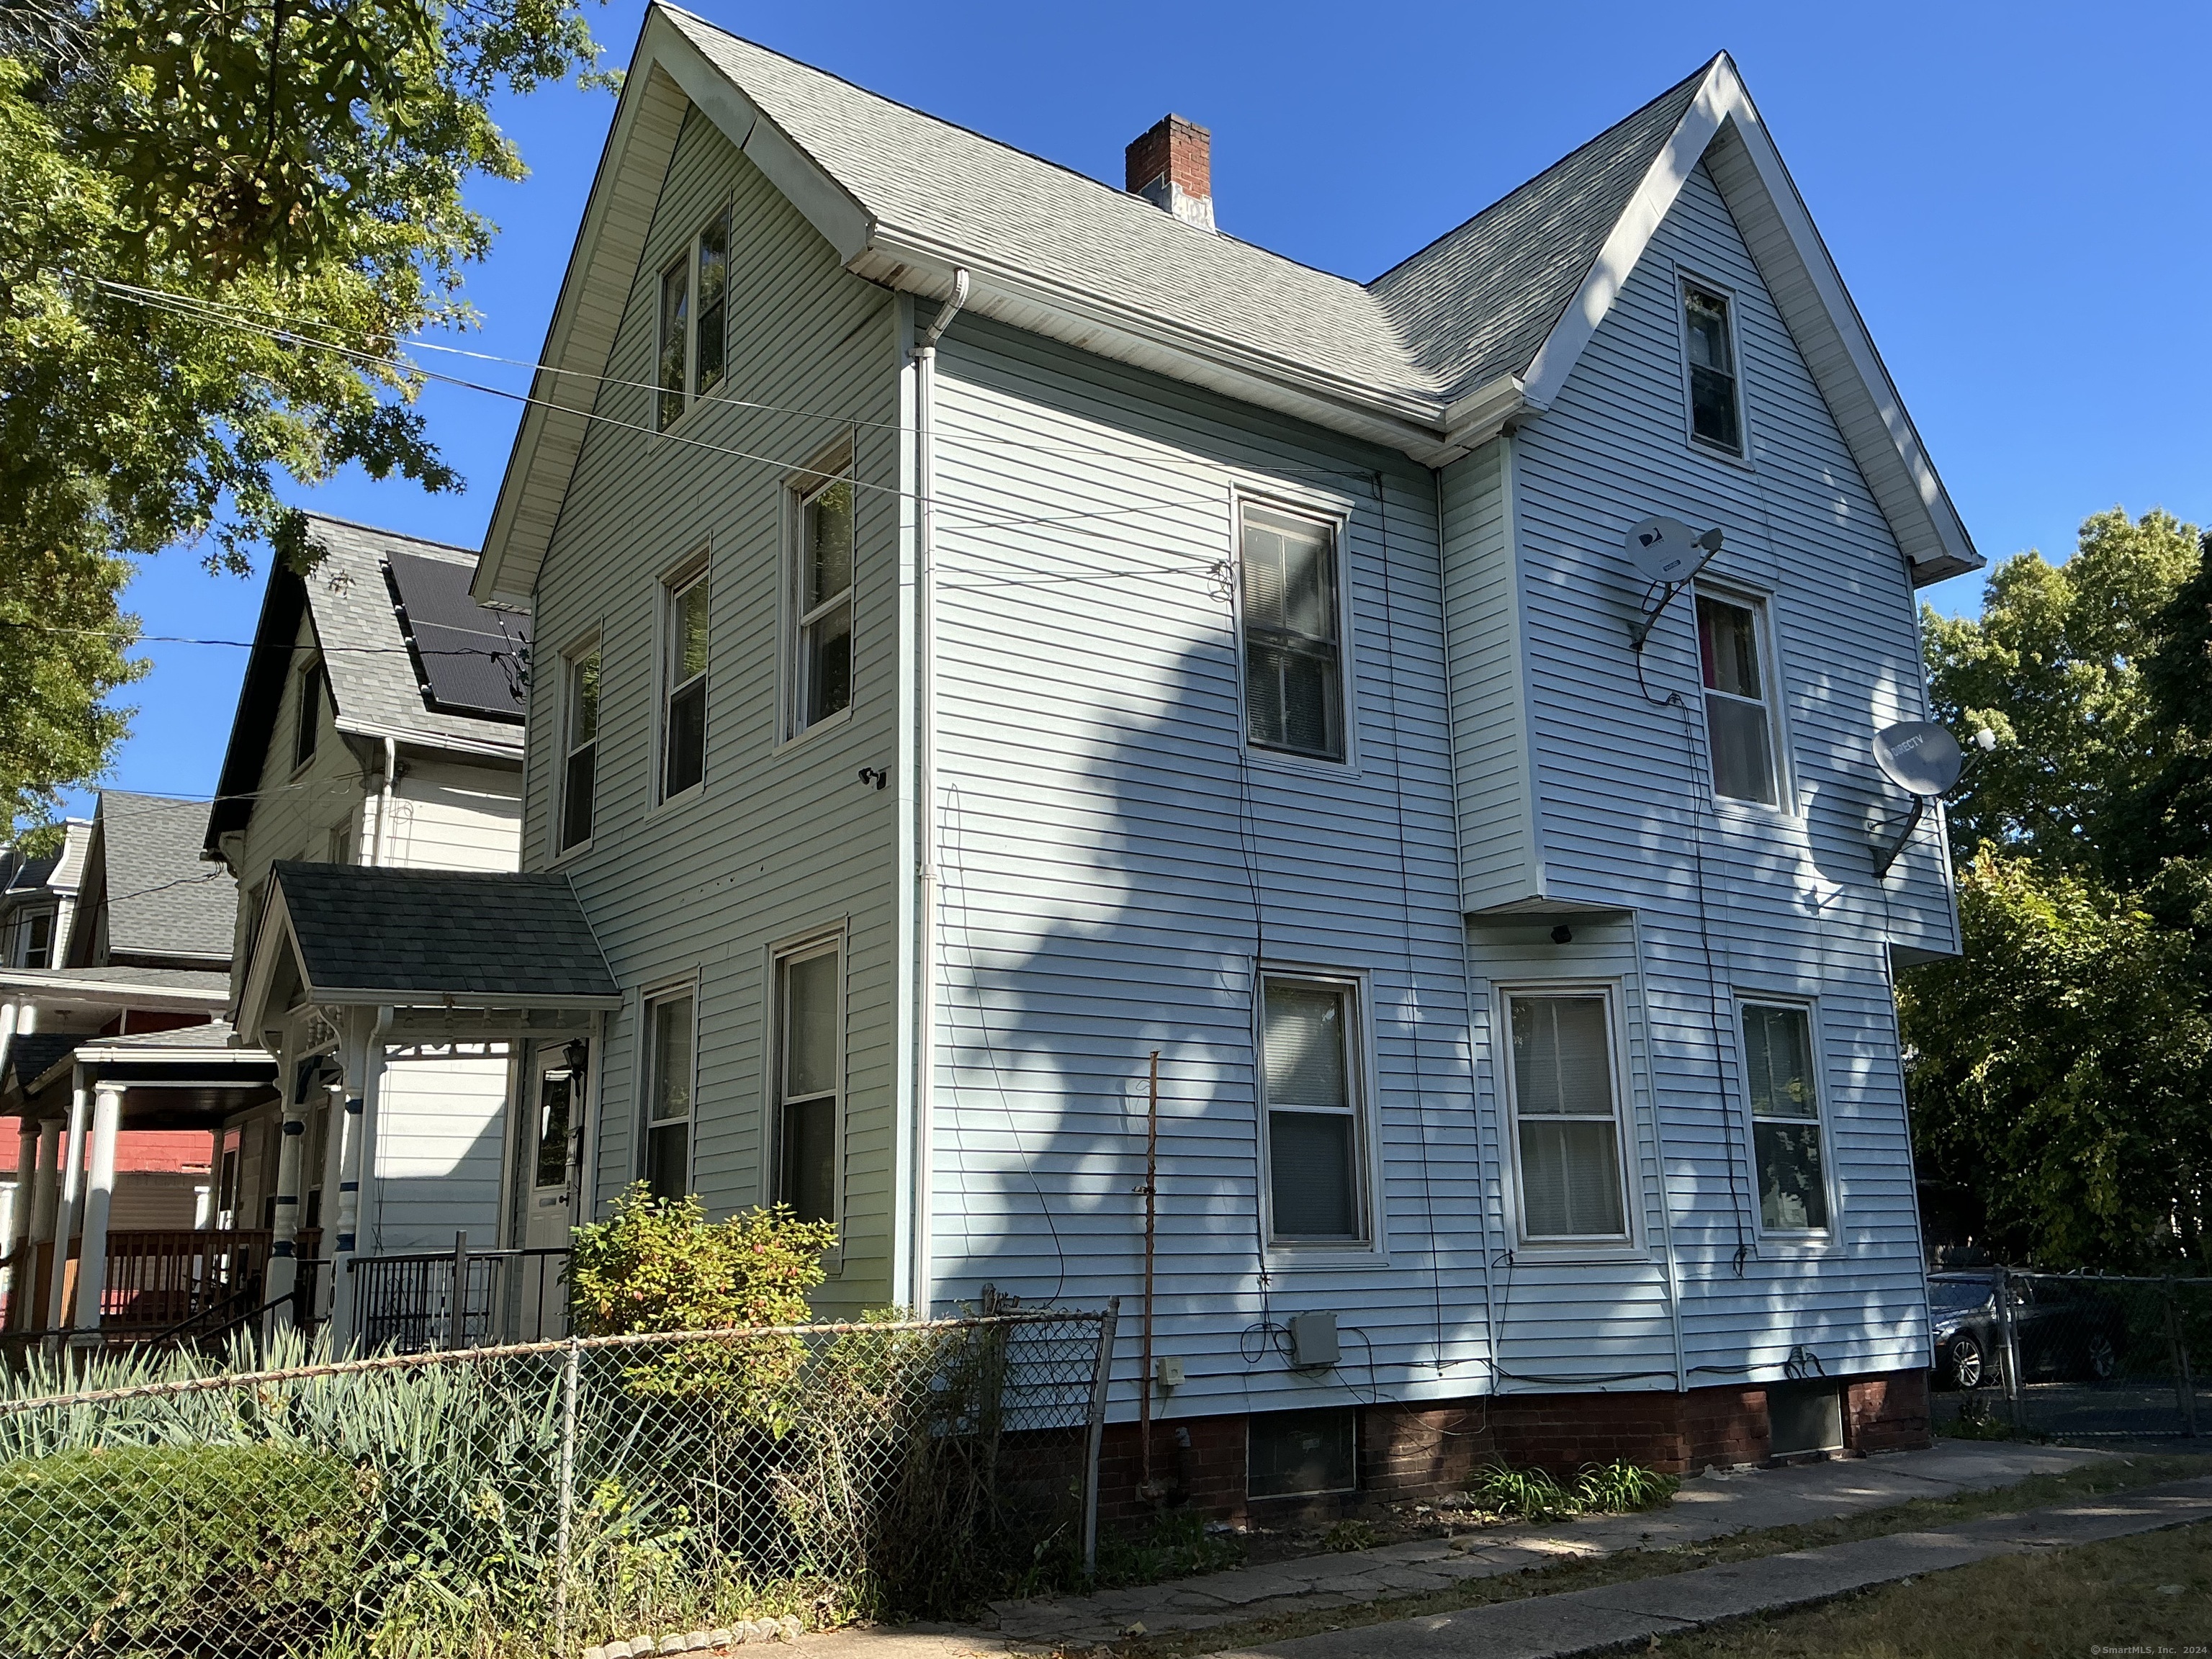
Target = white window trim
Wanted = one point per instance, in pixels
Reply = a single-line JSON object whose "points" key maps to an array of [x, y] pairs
{"points": [[1338, 516], [696, 566], [1367, 1140], [693, 399], [1764, 634], [835, 936], [1627, 1136], [833, 464], [1686, 276], [315, 664], [1809, 1240], [641, 1117], [583, 647]]}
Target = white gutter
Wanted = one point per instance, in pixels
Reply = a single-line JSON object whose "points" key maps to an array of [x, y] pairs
{"points": [[925, 444]]}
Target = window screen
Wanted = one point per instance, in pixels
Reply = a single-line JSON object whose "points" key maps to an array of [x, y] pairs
{"points": [[1715, 414], [1785, 1117], [684, 735], [1314, 1143], [1739, 723], [668, 1097], [825, 610], [809, 1084], [1294, 690], [1565, 1118], [580, 727]]}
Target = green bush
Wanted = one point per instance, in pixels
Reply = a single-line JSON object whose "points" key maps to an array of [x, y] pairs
{"points": [[243, 1548], [1613, 1488]]}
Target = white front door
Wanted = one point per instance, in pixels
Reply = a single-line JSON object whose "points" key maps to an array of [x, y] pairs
{"points": [[556, 1138]]}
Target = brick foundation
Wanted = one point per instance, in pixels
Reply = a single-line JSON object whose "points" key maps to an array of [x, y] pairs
{"points": [[1425, 1451]]}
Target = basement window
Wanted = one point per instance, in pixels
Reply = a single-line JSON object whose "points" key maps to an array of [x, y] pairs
{"points": [[1302, 1453]]}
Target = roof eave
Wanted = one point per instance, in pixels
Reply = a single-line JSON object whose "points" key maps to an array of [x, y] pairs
{"points": [[416, 996]]}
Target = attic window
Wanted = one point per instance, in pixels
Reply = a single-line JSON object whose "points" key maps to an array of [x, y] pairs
{"points": [[309, 720], [693, 349], [1715, 410]]}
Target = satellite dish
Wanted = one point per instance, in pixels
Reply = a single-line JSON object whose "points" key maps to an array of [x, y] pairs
{"points": [[1667, 550], [1920, 757]]}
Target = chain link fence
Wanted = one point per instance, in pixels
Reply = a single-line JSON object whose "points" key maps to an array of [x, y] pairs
{"points": [[659, 1492], [2071, 1355]]}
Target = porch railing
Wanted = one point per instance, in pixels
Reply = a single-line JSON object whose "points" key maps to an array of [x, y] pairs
{"points": [[409, 1302], [157, 1278]]}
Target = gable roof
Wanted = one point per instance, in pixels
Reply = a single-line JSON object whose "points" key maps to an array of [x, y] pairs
{"points": [[380, 682], [381, 934], [1433, 358], [144, 878]]}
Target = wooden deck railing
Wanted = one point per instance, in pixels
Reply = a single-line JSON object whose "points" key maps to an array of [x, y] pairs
{"points": [[156, 1278]]}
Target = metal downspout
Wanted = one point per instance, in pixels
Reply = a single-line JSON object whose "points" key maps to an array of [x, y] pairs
{"points": [[377, 848], [925, 439]]}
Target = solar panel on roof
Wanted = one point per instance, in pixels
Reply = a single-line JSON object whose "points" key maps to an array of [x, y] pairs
{"points": [[468, 658]]}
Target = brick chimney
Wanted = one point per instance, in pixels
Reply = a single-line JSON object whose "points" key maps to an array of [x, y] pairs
{"points": [[1171, 166]]}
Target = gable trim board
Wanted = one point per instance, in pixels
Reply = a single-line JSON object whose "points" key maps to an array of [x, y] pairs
{"points": [[1355, 370]]}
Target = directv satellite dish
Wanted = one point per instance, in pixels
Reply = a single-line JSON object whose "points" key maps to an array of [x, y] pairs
{"points": [[1920, 757], [1663, 551]]}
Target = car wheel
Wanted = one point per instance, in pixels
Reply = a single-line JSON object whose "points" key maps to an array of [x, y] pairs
{"points": [[1966, 1363], [2104, 1357]]}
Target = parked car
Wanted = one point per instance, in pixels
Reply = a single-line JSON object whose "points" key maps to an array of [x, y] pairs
{"points": [[2065, 1329]]}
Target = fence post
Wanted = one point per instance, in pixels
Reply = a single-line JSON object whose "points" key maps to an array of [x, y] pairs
{"points": [[2015, 1397], [1094, 1440], [567, 1485], [2185, 1386], [458, 1321]]}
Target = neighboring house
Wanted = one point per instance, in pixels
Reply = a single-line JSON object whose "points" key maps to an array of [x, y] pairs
{"points": [[995, 629], [120, 1073], [380, 726]]}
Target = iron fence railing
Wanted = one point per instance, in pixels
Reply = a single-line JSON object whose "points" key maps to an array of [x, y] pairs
{"points": [[549, 1497], [458, 1298], [2071, 1355]]}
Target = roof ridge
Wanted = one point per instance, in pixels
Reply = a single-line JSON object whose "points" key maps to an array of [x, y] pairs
{"points": [[1542, 173], [395, 535]]}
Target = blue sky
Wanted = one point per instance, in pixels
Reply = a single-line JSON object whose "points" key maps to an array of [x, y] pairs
{"points": [[2016, 195]]}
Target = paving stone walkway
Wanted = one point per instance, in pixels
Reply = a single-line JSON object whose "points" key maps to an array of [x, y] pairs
{"points": [[1710, 1506]]}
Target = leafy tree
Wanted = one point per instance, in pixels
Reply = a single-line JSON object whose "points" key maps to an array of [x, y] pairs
{"points": [[2054, 665], [218, 221]]}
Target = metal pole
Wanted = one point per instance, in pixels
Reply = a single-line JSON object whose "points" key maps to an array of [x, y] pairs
{"points": [[2016, 1400], [568, 1486], [2185, 1386], [1100, 1380], [457, 1310], [1152, 1224]]}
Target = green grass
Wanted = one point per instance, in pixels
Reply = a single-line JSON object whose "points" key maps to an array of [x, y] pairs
{"points": [[2152, 1592]]}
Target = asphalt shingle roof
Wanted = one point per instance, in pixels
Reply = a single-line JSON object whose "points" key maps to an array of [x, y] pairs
{"points": [[507, 938], [30, 1057], [161, 900]]}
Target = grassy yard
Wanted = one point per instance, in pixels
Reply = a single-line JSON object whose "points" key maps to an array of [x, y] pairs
{"points": [[2151, 1594]]}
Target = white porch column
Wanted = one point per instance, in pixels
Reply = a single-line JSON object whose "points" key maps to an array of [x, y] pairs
{"points": [[99, 1195], [364, 1058], [9, 1013], [71, 1171], [26, 1177], [291, 1172]]}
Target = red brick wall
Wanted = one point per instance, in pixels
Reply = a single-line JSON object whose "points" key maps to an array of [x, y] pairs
{"points": [[1418, 1451], [1181, 149]]}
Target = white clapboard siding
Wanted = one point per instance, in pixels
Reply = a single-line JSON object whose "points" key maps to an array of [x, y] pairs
{"points": [[1785, 903], [784, 839], [440, 1132], [451, 816], [1113, 860]]}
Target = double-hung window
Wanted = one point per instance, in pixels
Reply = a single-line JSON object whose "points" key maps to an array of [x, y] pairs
{"points": [[1716, 399], [580, 743], [822, 607], [1785, 1117], [1316, 1151], [810, 1063], [307, 718], [1566, 1118], [34, 934], [1293, 658], [1739, 716], [668, 1033], [684, 683], [694, 337]]}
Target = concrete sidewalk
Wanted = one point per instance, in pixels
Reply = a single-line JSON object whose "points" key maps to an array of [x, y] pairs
{"points": [[1710, 1506], [1614, 1615]]}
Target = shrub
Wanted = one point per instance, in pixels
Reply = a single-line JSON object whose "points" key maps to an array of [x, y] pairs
{"points": [[241, 1548], [1613, 1488], [1619, 1487], [660, 1265]]}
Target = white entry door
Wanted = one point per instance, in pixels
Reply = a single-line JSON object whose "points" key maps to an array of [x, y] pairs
{"points": [[557, 1139]]}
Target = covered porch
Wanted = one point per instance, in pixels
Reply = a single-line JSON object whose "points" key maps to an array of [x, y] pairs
{"points": [[439, 1032], [76, 1276]]}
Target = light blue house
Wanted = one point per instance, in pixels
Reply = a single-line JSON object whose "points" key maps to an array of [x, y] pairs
{"points": [[993, 627]]}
